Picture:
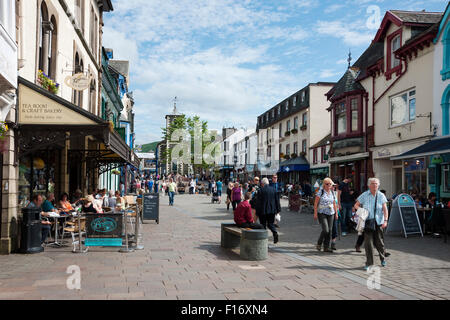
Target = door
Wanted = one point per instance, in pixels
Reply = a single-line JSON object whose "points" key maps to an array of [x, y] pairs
{"points": [[397, 183]]}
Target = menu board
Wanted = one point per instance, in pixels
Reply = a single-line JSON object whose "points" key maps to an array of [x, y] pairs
{"points": [[151, 206], [404, 216], [104, 230]]}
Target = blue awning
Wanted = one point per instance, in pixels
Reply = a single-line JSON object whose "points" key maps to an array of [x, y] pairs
{"points": [[296, 164], [436, 146]]}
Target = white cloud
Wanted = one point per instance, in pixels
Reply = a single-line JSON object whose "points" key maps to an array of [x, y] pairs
{"points": [[328, 73], [349, 33]]}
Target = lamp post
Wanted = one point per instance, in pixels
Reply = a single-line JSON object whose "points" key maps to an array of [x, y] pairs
{"points": [[235, 164]]}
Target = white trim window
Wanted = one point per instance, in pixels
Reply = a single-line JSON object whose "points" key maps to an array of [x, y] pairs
{"points": [[395, 45], [294, 101], [8, 16], [287, 105], [403, 108]]}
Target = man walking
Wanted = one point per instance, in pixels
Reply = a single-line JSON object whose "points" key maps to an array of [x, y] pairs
{"points": [[269, 205], [172, 189], [345, 201]]}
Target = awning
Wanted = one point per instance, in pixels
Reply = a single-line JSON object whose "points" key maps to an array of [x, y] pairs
{"points": [[436, 146], [352, 157], [294, 165], [45, 119]]}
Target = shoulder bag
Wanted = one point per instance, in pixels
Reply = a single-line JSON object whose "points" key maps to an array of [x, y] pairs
{"points": [[371, 223]]}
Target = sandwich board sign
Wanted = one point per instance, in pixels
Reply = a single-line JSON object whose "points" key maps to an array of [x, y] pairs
{"points": [[404, 216]]}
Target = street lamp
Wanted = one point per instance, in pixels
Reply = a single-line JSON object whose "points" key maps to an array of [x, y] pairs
{"points": [[235, 164]]}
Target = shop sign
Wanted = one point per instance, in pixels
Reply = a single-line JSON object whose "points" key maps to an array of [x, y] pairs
{"points": [[35, 108], [384, 153], [78, 82], [437, 159]]}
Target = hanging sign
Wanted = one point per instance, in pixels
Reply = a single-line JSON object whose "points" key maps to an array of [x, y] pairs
{"points": [[78, 82], [404, 216]]}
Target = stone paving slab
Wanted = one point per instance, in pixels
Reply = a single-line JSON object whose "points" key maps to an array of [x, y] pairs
{"points": [[183, 260]]}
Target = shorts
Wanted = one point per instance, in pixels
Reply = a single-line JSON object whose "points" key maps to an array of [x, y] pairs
{"points": [[219, 193]]}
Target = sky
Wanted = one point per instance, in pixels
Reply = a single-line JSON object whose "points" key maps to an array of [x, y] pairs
{"points": [[229, 61]]}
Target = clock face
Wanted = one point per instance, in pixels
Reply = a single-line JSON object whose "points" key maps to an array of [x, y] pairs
{"points": [[398, 110]]}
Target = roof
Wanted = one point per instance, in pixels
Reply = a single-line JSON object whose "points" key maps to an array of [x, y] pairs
{"points": [[436, 146], [346, 84], [121, 66], [106, 5], [325, 141], [372, 54], [443, 22], [422, 17]]}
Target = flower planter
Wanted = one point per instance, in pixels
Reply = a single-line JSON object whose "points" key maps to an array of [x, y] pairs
{"points": [[288, 133], [47, 83], [303, 128], [294, 131]]}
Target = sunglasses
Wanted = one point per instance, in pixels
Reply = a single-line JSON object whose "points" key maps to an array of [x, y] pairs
{"points": [[328, 184]]}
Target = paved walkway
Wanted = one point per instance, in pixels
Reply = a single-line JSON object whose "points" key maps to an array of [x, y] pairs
{"points": [[183, 260]]}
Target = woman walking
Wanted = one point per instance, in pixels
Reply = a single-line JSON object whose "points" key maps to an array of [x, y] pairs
{"points": [[375, 202], [325, 210], [230, 187], [236, 195]]}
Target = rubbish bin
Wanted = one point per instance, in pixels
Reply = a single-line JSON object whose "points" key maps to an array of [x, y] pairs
{"points": [[31, 231]]}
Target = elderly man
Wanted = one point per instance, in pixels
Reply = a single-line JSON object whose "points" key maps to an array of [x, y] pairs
{"points": [[268, 204], [48, 203], [36, 202], [375, 202]]}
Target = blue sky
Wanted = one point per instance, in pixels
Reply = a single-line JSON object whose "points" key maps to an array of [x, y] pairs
{"points": [[229, 61]]}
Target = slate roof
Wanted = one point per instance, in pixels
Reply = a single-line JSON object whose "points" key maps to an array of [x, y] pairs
{"points": [[372, 54], [347, 84], [325, 141], [417, 16], [121, 66]]}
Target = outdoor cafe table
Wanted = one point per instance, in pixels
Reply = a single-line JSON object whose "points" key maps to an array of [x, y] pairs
{"points": [[422, 216], [56, 217]]}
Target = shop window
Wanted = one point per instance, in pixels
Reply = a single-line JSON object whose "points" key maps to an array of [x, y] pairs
{"points": [[415, 176], [403, 108], [324, 154], [445, 72], [446, 181]]}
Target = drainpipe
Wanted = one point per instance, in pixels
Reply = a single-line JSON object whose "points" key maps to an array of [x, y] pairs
{"points": [[366, 96]]}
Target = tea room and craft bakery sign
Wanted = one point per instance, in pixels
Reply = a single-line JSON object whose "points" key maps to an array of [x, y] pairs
{"points": [[37, 108]]}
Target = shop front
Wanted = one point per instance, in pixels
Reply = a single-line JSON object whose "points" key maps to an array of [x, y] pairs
{"points": [[318, 174], [61, 147], [352, 165], [294, 171], [427, 168]]}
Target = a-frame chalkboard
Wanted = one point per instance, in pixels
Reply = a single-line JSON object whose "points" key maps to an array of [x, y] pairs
{"points": [[404, 216]]}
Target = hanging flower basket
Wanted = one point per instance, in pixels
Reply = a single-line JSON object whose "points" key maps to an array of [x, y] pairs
{"points": [[47, 83], [3, 141], [288, 133], [294, 131], [304, 127], [116, 172]]}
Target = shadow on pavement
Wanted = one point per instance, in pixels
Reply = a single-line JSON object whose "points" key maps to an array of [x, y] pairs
{"points": [[219, 252]]}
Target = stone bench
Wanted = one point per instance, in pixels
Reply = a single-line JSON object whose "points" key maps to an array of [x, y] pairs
{"points": [[253, 243]]}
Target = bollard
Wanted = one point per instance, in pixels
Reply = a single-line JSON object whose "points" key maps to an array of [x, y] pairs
{"points": [[126, 249], [137, 233]]}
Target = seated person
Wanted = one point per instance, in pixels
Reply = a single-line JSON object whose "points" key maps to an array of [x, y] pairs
{"points": [[77, 197], [36, 202], [48, 205], [88, 205], [243, 214], [120, 202], [64, 203], [112, 201]]}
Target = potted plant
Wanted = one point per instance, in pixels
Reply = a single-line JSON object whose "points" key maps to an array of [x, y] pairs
{"points": [[288, 133], [287, 157], [304, 127], [302, 154], [47, 83], [293, 156], [282, 155], [3, 141], [294, 131]]}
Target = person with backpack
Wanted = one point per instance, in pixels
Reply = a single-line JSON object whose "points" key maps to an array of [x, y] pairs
{"points": [[325, 210]]}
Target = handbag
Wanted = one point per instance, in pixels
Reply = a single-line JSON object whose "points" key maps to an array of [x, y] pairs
{"points": [[371, 223]]}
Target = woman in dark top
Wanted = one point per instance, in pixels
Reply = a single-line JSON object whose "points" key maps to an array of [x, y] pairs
{"points": [[88, 205]]}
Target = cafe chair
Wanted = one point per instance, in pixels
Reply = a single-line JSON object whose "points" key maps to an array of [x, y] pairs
{"points": [[106, 209], [75, 229]]}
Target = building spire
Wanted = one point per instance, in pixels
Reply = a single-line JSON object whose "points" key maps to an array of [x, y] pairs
{"points": [[349, 58], [175, 105]]}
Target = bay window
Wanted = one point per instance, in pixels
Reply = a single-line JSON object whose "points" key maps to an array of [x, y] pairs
{"points": [[395, 45], [354, 110], [341, 116]]}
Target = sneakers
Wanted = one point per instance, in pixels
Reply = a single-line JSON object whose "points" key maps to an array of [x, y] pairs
{"points": [[275, 238], [319, 247], [383, 263], [344, 234], [357, 248], [366, 268], [333, 246]]}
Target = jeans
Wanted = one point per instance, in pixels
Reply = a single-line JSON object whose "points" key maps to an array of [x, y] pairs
{"points": [[171, 196], [346, 215], [326, 222], [45, 231], [235, 203], [334, 232]]}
